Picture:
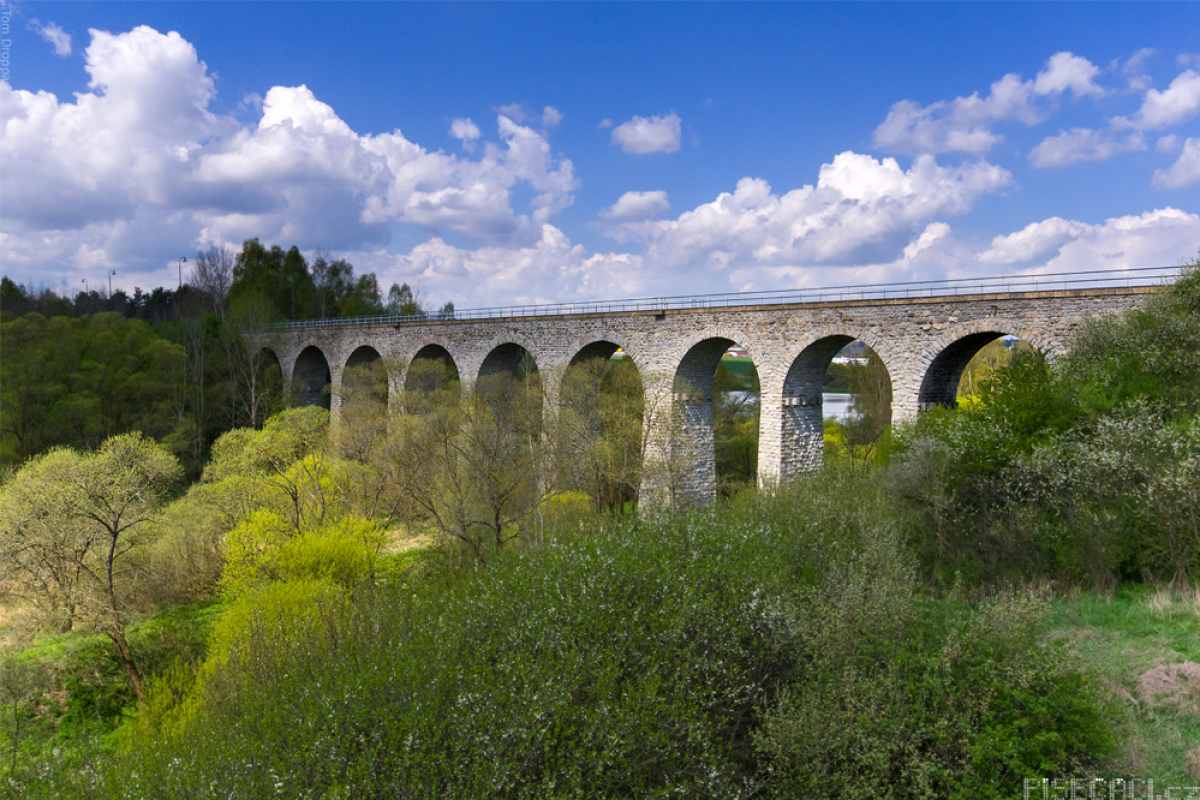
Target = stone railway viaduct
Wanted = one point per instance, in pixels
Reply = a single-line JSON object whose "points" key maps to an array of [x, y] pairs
{"points": [[925, 343]]}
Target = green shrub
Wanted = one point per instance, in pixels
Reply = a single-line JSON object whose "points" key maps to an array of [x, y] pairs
{"points": [[910, 698], [628, 660]]}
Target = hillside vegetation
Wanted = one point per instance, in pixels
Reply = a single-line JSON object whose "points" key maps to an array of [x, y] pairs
{"points": [[464, 603]]}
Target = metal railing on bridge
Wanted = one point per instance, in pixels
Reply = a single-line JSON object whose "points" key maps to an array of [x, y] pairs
{"points": [[1092, 279]]}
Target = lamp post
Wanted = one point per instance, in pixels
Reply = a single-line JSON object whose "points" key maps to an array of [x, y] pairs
{"points": [[181, 260], [111, 272]]}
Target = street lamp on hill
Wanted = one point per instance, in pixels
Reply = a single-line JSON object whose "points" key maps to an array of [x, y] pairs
{"points": [[181, 260]]}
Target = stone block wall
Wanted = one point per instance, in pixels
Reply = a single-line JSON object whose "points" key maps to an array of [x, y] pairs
{"points": [[924, 342]]}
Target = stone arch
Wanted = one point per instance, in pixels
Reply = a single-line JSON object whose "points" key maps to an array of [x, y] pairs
{"points": [[508, 357], [266, 388], [952, 351], [583, 418], [311, 377], [691, 452], [802, 438], [267, 357], [600, 348], [360, 381], [511, 397], [432, 367]]}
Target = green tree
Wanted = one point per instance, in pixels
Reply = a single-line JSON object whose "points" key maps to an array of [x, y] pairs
{"points": [[332, 281], [78, 381], [477, 466], [599, 431], [404, 301], [82, 515], [272, 282], [364, 299]]}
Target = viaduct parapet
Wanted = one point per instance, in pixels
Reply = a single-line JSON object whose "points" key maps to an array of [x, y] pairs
{"points": [[924, 342]]}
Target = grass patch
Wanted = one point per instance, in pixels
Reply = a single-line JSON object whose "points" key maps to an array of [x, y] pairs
{"points": [[1123, 638]]}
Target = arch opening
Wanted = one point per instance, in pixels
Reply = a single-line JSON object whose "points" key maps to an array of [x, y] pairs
{"points": [[431, 374], [311, 378], [365, 380], [363, 403], [601, 416], [264, 394], [960, 369], [715, 429], [837, 400], [510, 383], [986, 363], [511, 359]]}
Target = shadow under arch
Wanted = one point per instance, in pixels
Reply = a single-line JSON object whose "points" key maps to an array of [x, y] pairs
{"points": [[508, 358], [939, 386], [365, 378], [264, 389], [310, 378], [601, 415], [510, 383], [431, 372]]}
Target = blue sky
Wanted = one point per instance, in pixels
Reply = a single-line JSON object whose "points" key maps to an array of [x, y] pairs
{"points": [[522, 152]]}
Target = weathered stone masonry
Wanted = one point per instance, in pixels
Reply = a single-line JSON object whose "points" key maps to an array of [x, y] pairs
{"points": [[924, 342]]}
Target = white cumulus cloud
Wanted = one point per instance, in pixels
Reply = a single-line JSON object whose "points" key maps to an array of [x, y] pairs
{"points": [[637, 206], [464, 129], [1082, 144], [1035, 240], [1156, 238], [964, 124], [1177, 103], [1168, 144], [137, 170], [642, 135], [1184, 172], [550, 268], [860, 210], [551, 117]]}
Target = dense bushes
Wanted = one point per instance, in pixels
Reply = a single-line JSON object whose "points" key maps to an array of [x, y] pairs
{"points": [[1080, 470], [752, 648], [909, 698]]}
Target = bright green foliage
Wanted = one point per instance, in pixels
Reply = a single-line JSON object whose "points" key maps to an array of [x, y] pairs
{"points": [[267, 548], [259, 637], [633, 660], [1150, 353], [284, 439], [252, 550]]}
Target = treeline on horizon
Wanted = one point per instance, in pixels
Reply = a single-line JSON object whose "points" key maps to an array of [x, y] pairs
{"points": [[254, 285], [170, 363]]}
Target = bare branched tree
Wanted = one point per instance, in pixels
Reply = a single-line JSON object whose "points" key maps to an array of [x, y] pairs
{"points": [[213, 275]]}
